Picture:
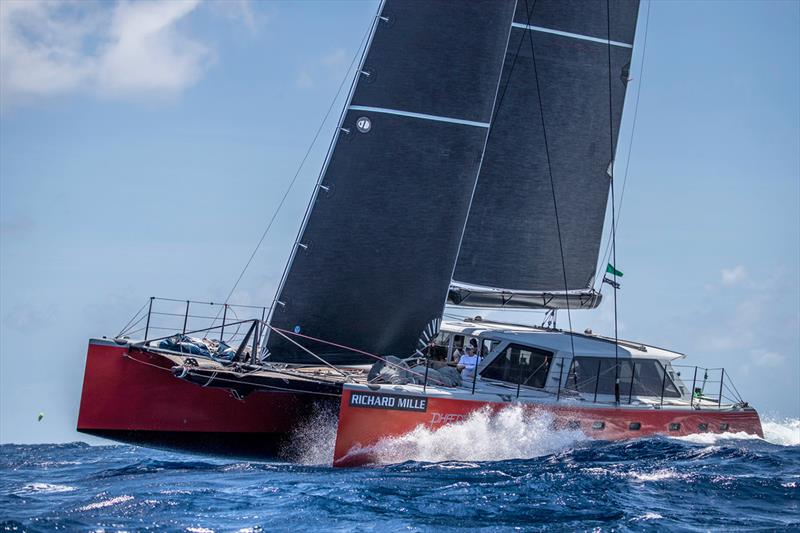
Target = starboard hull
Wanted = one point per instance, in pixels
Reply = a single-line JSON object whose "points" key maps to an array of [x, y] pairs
{"points": [[362, 426], [132, 396]]}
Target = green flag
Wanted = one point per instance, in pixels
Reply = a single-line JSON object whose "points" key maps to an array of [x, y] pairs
{"points": [[611, 270]]}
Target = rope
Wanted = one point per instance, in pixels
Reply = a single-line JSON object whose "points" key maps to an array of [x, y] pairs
{"points": [[550, 172], [323, 361], [237, 381], [613, 203], [127, 330], [134, 318], [356, 350]]}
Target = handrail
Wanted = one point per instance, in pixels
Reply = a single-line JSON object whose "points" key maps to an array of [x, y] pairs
{"points": [[156, 317], [145, 342], [258, 329]]}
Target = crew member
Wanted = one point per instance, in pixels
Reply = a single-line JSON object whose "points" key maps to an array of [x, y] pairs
{"points": [[468, 363]]}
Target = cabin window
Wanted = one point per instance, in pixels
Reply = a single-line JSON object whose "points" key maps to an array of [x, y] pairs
{"points": [[702, 426], [458, 341], [520, 364], [441, 343], [723, 426], [590, 374], [486, 347], [675, 426], [635, 426], [598, 425], [573, 424], [457, 344]]}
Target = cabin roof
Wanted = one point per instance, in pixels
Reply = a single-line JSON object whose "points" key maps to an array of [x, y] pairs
{"points": [[557, 340]]}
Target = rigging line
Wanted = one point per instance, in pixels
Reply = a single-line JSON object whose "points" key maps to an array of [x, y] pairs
{"points": [[630, 147], [127, 330], [613, 208], [323, 361], [495, 112], [356, 350], [364, 48], [134, 318], [550, 174], [296, 175], [234, 381]]}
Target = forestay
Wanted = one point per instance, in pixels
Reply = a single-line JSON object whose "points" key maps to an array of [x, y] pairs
{"points": [[375, 257], [510, 255]]}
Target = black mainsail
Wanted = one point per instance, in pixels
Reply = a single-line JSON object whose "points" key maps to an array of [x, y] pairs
{"points": [[374, 259], [511, 255]]}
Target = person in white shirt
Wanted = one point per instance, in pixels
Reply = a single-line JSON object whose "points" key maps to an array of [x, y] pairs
{"points": [[467, 364]]}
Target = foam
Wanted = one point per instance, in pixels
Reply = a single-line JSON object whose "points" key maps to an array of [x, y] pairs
{"points": [[106, 503], [511, 433], [785, 432], [47, 488], [313, 441]]}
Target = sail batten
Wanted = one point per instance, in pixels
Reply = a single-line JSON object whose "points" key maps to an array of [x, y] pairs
{"points": [[420, 115], [571, 35], [382, 235]]}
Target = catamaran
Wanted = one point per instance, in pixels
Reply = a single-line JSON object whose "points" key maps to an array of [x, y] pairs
{"points": [[471, 167]]}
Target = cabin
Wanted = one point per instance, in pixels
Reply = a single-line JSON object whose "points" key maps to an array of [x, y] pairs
{"points": [[527, 360]]}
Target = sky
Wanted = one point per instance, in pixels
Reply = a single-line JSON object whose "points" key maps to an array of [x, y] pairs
{"points": [[145, 146]]}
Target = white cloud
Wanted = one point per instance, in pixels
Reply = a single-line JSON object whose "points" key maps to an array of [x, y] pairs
{"points": [[767, 358], [732, 276], [146, 51], [111, 49], [239, 11]]}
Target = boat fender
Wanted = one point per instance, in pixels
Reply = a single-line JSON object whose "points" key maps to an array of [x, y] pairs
{"points": [[122, 341]]}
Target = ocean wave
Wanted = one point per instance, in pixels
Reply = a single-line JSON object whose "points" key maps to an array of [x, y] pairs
{"points": [[43, 488], [784, 432], [486, 473], [106, 503]]}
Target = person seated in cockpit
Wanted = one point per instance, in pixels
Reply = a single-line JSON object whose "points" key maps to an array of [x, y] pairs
{"points": [[467, 363], [474, 343]]}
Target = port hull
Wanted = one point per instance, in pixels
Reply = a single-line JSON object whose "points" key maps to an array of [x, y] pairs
{"points": [[132, 397], [362, 426]]}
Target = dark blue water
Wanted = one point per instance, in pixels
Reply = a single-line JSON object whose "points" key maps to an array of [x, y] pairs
{"points": [[687, 484]]}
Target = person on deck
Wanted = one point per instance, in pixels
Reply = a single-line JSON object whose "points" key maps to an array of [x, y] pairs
{"points": [[468, 363]]}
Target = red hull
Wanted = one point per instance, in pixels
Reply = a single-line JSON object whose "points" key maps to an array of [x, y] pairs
{"points": [[360, 428], [135, 398]]}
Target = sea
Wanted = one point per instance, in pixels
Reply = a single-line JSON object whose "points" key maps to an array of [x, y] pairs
{"points": [[507, 473]]}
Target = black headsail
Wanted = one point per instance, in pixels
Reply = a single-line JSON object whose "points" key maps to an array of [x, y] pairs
{"points": [[511, 255], [374, 259]]}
